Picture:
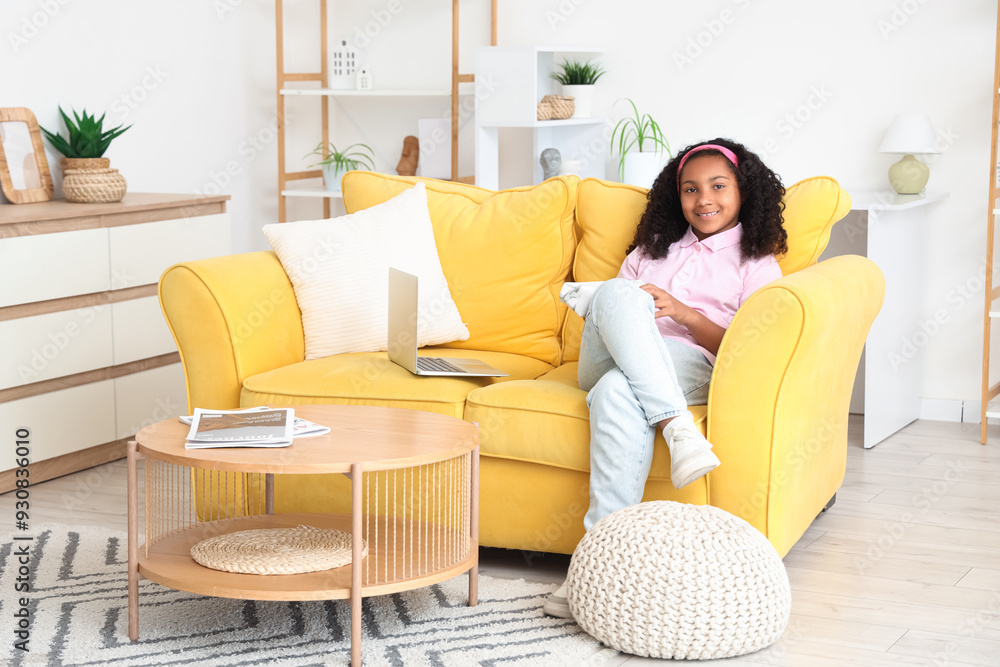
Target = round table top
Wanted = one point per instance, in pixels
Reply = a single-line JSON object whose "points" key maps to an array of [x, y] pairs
{"points": [[379, 438]]}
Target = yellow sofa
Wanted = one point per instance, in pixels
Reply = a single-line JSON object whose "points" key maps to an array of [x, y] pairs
{"points": [[776, 414]]}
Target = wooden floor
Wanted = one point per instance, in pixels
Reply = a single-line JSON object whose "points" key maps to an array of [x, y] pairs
{"points": [[903, 570]]}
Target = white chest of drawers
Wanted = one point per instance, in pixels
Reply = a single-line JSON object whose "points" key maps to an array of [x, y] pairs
{"points": [[87, 358]]}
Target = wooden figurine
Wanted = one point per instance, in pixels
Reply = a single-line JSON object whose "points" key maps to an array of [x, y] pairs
{"points": [[411, 155]]}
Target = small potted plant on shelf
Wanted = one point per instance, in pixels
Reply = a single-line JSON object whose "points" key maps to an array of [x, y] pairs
{"points": [[336, 163], [578, 81], [641, 166], [87, 176]]}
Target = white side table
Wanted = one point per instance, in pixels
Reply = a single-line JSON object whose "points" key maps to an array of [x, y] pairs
{"points": [[888, 229]]}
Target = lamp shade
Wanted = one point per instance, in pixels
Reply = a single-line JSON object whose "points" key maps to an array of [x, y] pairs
{"points": [[909, 133]]}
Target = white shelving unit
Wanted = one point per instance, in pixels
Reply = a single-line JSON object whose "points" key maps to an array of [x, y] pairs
{"points": [[516, 79]]}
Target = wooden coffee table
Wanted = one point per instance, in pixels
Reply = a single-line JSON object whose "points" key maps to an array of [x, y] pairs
{"points": [[414, 499]]}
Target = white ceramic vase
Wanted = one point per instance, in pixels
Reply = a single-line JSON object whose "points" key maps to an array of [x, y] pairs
{"points": [[642, 168], [583, 99]]}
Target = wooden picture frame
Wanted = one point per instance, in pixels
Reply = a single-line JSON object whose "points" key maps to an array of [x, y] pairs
{"points": [[24, 170]]}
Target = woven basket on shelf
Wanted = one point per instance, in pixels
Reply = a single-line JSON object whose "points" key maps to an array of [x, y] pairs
{"points": [[276, 550], [562, 106], [93, 186]]}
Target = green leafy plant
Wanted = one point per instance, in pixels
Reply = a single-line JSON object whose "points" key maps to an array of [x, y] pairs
{"points": [[639, 131], [87, 136], [575, 73], [345, 160]]}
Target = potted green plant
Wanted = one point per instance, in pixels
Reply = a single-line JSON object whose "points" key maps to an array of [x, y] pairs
{"points": [[336, 163], [641, 166], [578, 81], [87, 175]]}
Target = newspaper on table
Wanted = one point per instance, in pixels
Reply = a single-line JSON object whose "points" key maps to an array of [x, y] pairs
{"points": [[300, 428], [255, 427]]}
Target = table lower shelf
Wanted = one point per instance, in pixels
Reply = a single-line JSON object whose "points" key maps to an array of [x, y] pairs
{"points": [[437, 557]]}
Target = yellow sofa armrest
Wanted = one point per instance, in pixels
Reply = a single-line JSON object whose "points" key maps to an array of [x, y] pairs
{"points": [[780, 394], [232, 317]]}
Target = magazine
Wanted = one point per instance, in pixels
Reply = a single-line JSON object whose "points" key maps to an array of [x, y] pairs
{"points": [[301, 428], [270, 427]]}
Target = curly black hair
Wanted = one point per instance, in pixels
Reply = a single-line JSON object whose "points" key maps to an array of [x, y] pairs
{"points": [[663, 223]]}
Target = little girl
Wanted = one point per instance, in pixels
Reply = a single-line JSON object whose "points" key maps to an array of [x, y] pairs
{"points": [[704, 244]]}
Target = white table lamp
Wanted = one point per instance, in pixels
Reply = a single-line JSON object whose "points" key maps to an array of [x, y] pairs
{"points": [[909, 134]]}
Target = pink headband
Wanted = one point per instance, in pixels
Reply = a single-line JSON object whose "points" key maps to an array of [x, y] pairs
{"points": [[722, 149]]}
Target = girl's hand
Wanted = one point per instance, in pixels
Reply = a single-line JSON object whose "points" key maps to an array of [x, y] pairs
{"points": [[666, 305], [705, 332]]}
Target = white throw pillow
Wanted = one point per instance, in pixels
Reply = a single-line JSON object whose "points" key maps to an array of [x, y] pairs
{"points": [[339, 269]]}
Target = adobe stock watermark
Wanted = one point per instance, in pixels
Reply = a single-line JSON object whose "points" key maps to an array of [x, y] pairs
{"points": [[796, 119], [363, 35], [129, 101], [35, 361], [595, 150], [438, 138], [970, 628], [965, 291], [32, 25], [224, 7], [252, 146], [797, 459], [703, 40], [899, 16], [563, 11], [569, 520], [779, 653], [924, 500]]}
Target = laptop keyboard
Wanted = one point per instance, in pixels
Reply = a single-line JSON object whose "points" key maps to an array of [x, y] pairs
{"points": [[437, 364]]}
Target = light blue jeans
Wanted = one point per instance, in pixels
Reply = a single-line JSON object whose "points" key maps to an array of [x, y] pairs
{"points": [[634, 379]]}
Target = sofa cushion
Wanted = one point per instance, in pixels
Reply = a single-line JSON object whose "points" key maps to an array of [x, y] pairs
{"points": [[505, 255], [546, 420], [812, 206], [339, 269], [608, 213], [369, 378]]}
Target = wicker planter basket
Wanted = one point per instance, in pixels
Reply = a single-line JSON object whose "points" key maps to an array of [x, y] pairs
{"points": [[562, 106], [93, 186], [84, 163]]}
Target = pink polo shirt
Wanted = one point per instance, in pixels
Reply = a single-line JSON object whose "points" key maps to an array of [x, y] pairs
{"points": [[706, 275]]}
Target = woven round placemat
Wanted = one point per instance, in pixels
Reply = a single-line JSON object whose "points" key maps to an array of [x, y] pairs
{"points": [[276, 550]]}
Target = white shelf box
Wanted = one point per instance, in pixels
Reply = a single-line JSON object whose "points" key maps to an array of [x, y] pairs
{"points": [[329, 194], [513, 80]]}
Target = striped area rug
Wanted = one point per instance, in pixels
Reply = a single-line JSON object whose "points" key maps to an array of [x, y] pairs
{"points": [[77, 607]]}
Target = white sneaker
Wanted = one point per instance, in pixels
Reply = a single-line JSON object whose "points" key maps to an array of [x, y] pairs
{"points": [[691, 454], [557, 605]]}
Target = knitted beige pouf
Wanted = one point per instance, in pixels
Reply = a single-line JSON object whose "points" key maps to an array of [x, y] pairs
{"points": [[670, 580]]}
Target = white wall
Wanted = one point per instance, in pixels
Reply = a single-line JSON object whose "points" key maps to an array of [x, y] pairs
{"points": [[739, 68], [204, 70], [188, 76]]}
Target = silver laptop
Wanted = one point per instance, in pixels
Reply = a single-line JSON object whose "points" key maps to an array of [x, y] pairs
{"points": [[402, 341]]}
